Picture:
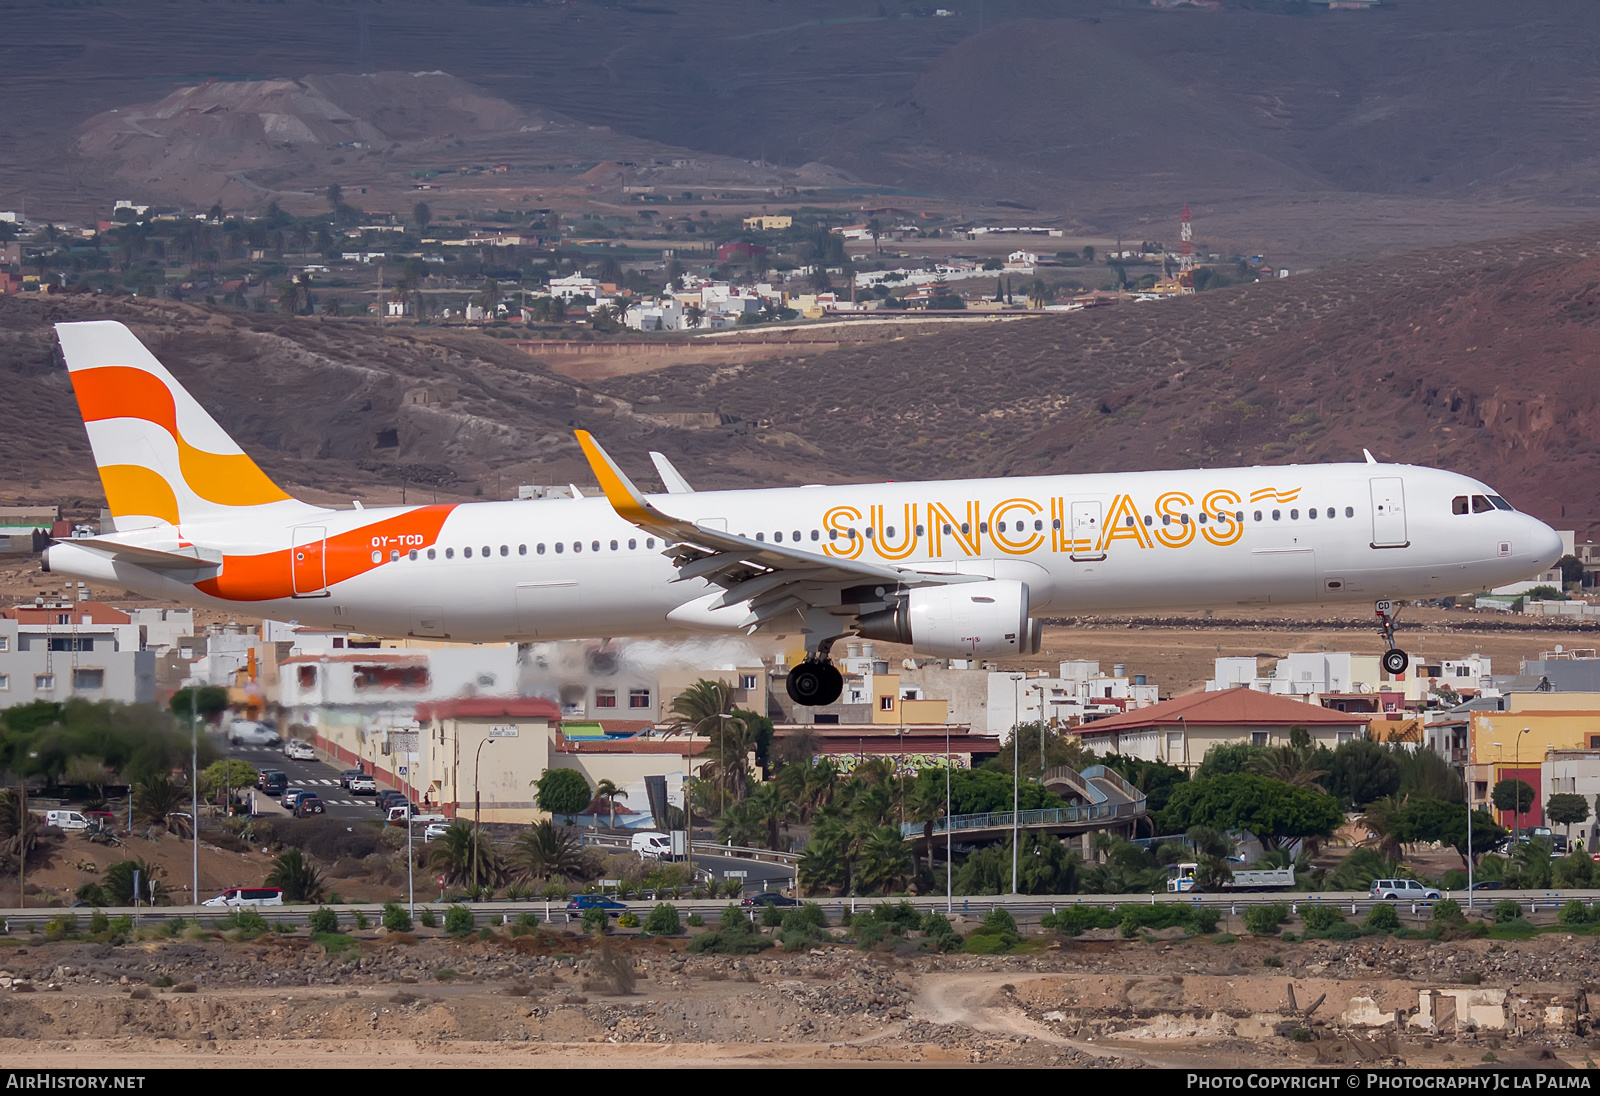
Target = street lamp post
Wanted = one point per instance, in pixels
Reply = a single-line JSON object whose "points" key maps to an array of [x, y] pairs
{"points": [[1516, 766], [477, 811], [949, 892], [194, 795], [1016, 779]]}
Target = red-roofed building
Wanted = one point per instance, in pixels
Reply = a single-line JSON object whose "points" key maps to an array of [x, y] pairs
{"points": [[1179, 732]]}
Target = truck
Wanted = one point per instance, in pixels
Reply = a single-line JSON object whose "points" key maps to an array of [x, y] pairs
{"points": [[1181, 879]]}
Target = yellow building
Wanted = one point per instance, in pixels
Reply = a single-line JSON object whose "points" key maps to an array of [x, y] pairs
{"points": [[890, 706], [766, 223], [1512, 744]]}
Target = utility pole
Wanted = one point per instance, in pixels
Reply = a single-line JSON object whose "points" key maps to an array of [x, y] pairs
{"points": [[194, 795], [1016, 779]]}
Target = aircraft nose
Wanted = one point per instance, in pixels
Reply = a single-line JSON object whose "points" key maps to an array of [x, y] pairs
{"points": [[1546, 543]]}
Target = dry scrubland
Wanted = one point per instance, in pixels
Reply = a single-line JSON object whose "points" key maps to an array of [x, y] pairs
{"points": [[1475, 357], [552, 997]]}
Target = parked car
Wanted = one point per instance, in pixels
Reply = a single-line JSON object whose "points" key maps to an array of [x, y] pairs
{"points": [[770, 898], [247, 896], [247, 732], [307, 805], [291, 796], [399, 811], [1487, 885], [297, 750], [273, 782], [583, 902], [346, 776], [362, 784], [435, 829], [1400, 889]]}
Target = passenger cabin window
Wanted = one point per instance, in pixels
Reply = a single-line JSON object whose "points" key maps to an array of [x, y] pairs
{"points": [[466, 553]]}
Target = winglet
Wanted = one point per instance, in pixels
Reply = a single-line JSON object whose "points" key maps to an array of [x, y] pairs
{"points": [[619, 490], [1370, 458], [671, 478]]}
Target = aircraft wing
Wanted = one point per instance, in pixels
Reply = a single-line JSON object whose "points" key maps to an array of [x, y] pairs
{"points": [[773, 578]]}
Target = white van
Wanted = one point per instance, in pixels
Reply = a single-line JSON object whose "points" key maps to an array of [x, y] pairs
{"points": [[247, 896], [652, 843], [66, 820]]}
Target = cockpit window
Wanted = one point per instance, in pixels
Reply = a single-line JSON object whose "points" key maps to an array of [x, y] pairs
{"points": [[1481, 504], [1458, 505], [1500, 503]]}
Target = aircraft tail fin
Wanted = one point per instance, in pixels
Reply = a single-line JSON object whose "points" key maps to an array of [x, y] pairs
{"points": [[162, 458]]}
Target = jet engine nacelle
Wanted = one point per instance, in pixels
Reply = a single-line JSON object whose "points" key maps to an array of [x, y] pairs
{"points": [[960, 620]]}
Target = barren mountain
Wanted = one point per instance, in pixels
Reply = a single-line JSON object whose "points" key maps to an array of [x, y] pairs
{"points": [[1481, 358], [1318, 135]]}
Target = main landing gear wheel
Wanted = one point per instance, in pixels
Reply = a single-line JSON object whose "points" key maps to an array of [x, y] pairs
{"points": [[815, 683], [1395, 660]]}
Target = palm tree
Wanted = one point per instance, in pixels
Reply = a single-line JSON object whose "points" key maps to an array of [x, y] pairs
{"points": [[547, 850], [884, 861], [740, 824], [297, 876], [705, 709], [609, 791], [875, 230], [294, 296], [926, 805], [694, 315], [488, 297], [422, 215], [465, 855], [773, 810], [1289, 764], [156, 796]]}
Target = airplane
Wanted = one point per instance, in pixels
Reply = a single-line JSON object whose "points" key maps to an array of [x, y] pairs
{"points": [[951, 568]]}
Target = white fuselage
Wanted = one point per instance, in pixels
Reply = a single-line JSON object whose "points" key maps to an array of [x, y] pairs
{"points": [[572, 568]]}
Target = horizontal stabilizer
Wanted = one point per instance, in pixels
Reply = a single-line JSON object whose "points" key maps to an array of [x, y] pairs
{"points": [[185, 558]]}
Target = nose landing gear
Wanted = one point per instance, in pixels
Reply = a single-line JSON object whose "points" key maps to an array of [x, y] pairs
{"points": [[1395, 660]]}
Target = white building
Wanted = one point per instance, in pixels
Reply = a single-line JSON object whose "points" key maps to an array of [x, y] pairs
{"points": [[1079, 691], [71, 657], [574, 285], [664, 315], [1304, 673]]}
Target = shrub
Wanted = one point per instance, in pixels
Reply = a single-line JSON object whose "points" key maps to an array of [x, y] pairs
{"points": [[249, 923], [1506, 910], [735, 935], [395, 917], [528, 920], [1383, 918], [98, 923], [596, 921], [663, 920], [1447, 911], [771, 916], [629, 920], [1573, 913], [323, 919], [283, 928], [694, 920], [1320, 918], [458, 920], [428, 919], [1263, 920], [1342, 931], [996, 935], [361, 920]]}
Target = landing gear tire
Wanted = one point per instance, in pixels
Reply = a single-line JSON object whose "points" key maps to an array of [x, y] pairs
{"points": [[815, 683], [1395, 661]]}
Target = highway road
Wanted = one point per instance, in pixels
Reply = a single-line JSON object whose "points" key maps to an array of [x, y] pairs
{"points": [[1027, 909], [317, 776]]}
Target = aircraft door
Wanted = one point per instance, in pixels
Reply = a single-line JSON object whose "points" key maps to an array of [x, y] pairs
{"points": [[308, 561], [1084, 535], [1389, 512]]}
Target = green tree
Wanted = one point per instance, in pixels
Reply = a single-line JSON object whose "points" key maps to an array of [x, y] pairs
{"points": [[884, 862], [740, 825], [1291, 764], [336, 198], [1513, 796], [1156, 779], [608, 791], [297, 876], [212, 701], [1428, 820], [546, 850], [706, 709], [1571, 570], [1060, 749], [1567, 809], [422, 215], [157, 796], [773, 811], [464, 855], [1271, 810], [1364, 771], [1231, 757], [118, 881], [226, 774], [563, 791]]}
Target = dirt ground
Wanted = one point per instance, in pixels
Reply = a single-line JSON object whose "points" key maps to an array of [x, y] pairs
{"points": [[430, 1001]]}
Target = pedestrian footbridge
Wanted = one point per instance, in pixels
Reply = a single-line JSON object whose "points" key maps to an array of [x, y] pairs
{"points": [[1099, 799]]}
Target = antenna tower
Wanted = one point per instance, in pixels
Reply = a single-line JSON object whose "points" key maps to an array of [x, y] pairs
{"points": [[1186, 249]]}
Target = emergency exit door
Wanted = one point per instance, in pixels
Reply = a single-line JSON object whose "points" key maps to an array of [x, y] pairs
{"points": [[1084, 534], [1389, 512]]}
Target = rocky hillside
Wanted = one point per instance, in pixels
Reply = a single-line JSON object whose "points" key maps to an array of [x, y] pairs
{"points": [[1481, 358]]}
